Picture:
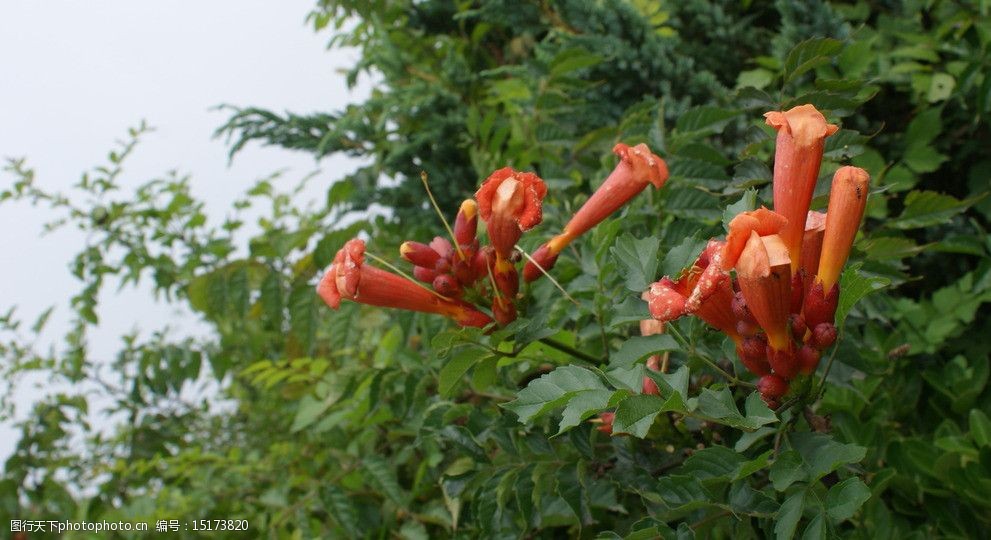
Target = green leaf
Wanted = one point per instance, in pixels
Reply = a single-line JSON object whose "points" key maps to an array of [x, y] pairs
{"points": [[854, 286], [639, 347], [582, 406], [845, 498], [459, 364], [341, 508], [572, 488], [980, 428], [808, 55], [638, 260], [574, 59], [788, 516], [927, 208], [746, 203], [786, 470], [704, 119], [720, 406], [924, 128], [384, 478], [636, 413], [682, 256], [553, 390], [822, 454], [713, 463], [680, 491]]}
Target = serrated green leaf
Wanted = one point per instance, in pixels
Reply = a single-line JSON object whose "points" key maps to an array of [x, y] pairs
{"points": [[786, 470], [927, 208], [635, 414], [808, 55], [638, 259], [845, 498], [573, 59], [821, 454], [340, 507], [681, 491], [854, 286], [582, 406], [746, 203], [682, 256], [639, 347], [384, 478], [788, 516], [454, 370], [704, 119], [553, 390], [713, 463]]}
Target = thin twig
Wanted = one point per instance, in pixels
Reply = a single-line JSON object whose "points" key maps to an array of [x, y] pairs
{"points": [[544, 272], [829, 365], [708, 361]]}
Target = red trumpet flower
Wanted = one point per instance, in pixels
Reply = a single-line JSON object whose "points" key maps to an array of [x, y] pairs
{"points": [[510, 203], [350, 278], [637, 167], [802, 132], [847, 200]]}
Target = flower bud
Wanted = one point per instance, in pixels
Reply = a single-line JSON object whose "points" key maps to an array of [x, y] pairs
{"points": [[820, 307], [753, 355], [783, 362], [466, 223], [446, 285], [545, 257], [419, 254], [772, 386], [503, 311], [798, 326], [823, 336], [426, 275], [740, 309], [808, 360], [607, 419]]}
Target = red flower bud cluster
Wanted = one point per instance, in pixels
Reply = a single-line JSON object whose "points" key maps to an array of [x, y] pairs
{"points": [[461, 279], [772, 285]]}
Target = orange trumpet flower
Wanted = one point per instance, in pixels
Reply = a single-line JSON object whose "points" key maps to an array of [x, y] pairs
{"points": [[637, 167], [847, 200], [763, 272], [802, 132]]}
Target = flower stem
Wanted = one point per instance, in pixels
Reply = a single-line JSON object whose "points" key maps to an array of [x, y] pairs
{"points": [[454, 240]]}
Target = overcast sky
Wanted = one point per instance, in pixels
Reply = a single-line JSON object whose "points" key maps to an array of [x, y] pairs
{"points": [[75, 75]]}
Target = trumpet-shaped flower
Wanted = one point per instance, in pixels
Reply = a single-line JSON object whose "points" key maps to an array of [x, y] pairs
{"points": [[847, 200], [637, 168], [762, 221], [802, 132], [510, 203], [348, 277], [764, 274]]}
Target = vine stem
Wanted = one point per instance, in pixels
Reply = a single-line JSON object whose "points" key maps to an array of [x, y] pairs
{"points": [[829, 365], [680, 338], [570, 350]]}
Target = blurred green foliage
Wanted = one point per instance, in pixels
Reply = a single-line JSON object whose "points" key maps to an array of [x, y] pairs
{"points": [[365, 423]]}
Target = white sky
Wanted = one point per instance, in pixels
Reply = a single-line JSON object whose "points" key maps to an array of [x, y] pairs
{"points": [[75, 75]]}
